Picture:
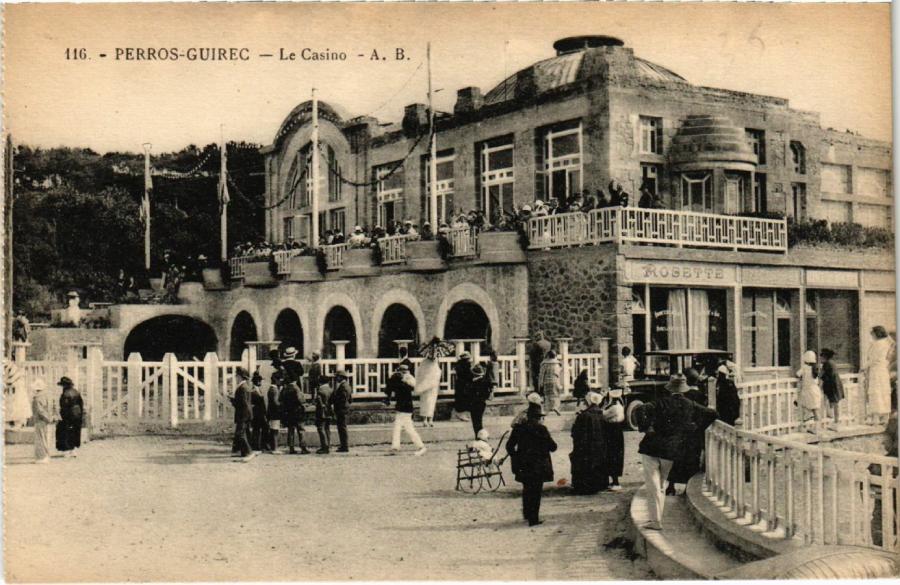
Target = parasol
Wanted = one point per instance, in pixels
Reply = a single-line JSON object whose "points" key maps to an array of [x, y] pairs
{"points": [[436, 348]]}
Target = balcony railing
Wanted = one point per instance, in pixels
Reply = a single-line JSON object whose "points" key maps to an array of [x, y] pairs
{"points": [[334, 254], [658, 226], [283, 260], [463, 242], [237, 266], [393, 249]]}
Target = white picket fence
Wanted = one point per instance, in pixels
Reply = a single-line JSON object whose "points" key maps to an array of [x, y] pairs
{"points": [[783, 488], [172, 391]]}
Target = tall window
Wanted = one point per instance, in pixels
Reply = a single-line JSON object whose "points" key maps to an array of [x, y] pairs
{"points": [[798, 200], [337, 220], [563, 163], [650, 177], [696, 191], [388, 192], [735, 192], [303, 228], [873, 182], [651, 135], [288, 223], [757, 139], [497, 178], [798, 157], [444, 187], [334, 175], [759, 192], [766, 328]]}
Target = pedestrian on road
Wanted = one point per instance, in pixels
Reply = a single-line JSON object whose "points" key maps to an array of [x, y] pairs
{"points": [[400, 386], [293, 369], [42, 410], [324, 414], [71, 413], [492, 370], [428, 382], [273, 411], [260, 422], [614, 433], [340, 403], [878, 377], [529, 447], [462, 390], [582, 388], [531, 398], [832, 386], [665, 423], [292, 414], [243, 413], [550, 389], [539, 349], [588, 457], [480, 394]]}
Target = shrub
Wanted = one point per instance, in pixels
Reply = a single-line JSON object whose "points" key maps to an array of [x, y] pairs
{"points": [[849, 235]]}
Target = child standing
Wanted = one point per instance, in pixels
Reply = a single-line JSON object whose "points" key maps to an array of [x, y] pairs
{"points": [[810, 397], [832, 387]]}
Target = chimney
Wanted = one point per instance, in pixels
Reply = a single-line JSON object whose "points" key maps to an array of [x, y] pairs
{"points": [[415, 117], [468, 99]]}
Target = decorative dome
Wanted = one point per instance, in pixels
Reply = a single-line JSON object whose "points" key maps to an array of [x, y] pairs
{"points": [[706, 140], [567, 67], [303, 112]]}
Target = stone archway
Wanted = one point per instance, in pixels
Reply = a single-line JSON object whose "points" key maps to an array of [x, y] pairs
{"points": [[339, 326], [397, 296], [186, 337], [467, 320], [397, 322], [288, 329], [473, 293], [243, 329]]}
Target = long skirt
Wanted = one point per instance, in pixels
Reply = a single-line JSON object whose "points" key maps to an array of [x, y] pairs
{"points": [[615, 448], [589, 473], [878, 390], [41, 440], [427, 403], [68, 435]]}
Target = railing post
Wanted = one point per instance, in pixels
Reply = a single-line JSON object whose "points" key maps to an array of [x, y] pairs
{"points": [[211, 381], [94, 384], [522, 376], [20, 349], [135, 395], [170, 387], [563, 344], [340, 352]]}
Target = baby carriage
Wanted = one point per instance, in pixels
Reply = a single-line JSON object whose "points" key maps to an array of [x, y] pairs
{"points": [[473, 473]]}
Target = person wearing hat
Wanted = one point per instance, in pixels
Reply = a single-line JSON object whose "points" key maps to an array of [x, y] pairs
{"points": [[42, 411], [832, 386], [292, 411], [539, 348], [324, 414], [686, 466], [665, 423], [529, 447], [260, 421], [613, 408], [549, 382], [480, 392], [243, 414], [728, 403], [273, 410], [71, 414], [530, 398], [810, 395], [72, 314], [462, 387], [401, 387], [314, 372], [293, 369], [341, 399], [588, 456]]}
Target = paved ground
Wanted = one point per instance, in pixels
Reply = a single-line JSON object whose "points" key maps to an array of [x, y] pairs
{"points": [[150, 509]]}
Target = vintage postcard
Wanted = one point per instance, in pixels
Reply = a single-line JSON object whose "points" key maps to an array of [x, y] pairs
{"points": [[469, 292]]}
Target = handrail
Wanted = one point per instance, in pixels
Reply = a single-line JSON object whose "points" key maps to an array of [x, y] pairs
{"points": [[334, 255], [393, 249], [463, 241]]}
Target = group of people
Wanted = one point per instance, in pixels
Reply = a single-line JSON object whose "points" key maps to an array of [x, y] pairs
{"points": [[68, 419]]}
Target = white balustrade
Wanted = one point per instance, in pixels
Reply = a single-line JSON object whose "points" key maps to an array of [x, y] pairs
{"points": [[237, 266], [393, 249], [463, 242], [657, 226], [283, 260], [334, 255]]}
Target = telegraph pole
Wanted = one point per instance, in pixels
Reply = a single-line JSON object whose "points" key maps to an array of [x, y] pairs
{"points": [[432, 165], [8, 243], [148, 186], [223, 194], [315, 171]]}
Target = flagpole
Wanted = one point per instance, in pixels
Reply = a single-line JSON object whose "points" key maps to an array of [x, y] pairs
{"points": [[146, 204], [432, 165], [315, 171], [223, 200]]}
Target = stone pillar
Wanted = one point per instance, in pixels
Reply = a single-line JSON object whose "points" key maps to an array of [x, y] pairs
{"points": [[135, 383], [340, 352], [403, 344], [522, 376], [94, 386], [211, 392], [476, 350], [605, 376], [563, 344], [460, 345], [20, 350], [170, 388]]}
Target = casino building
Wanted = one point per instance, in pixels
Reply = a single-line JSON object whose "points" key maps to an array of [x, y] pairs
{"points": [[596, 112]]}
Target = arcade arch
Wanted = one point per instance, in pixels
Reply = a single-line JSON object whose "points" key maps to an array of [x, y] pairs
{"points": [[288, 330], [467, 320], [397, 322], [338, 326], [186, 337], [243, 329]]}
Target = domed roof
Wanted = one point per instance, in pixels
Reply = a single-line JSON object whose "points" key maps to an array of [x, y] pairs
{"points": [[706, 139], [566, 67], [303, 112]]}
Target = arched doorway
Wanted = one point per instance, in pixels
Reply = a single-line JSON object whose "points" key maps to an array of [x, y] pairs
{"points": [[398, 322], [289, 331], [338, 327], [186, 337], [242, 330], [467, 320]]}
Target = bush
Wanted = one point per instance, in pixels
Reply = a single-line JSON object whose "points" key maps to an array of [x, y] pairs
{"points": [[849, 235]]}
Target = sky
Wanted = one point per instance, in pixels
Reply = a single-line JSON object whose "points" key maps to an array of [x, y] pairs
{"points": [[833, 59]]}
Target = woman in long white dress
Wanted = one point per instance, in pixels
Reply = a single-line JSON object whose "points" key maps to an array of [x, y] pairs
{"points": [[878, 377], [428, 380]]}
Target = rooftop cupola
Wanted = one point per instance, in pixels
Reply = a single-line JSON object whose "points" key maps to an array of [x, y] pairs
{"points": [[705, 141], [575, 44]]}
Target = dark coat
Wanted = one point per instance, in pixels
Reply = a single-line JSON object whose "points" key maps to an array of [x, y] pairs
{"points": [[258, 404], [462, 388], [401, 391], [832, 386], [480, 391], [589, 452], [342, 397], [728, 403], [529, 447], [688, 463], [293, 371], [292, 410], [582, 387], [324, 411], [666, 422], [273, 404], [614, 434], [313, 374], [71, 412], [243, 409]]}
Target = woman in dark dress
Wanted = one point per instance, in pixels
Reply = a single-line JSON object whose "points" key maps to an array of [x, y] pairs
{"points": [[614, 435], [582, 387], [728, 403], [529, 447], [832, 387], [589, 469], [71, 413]]}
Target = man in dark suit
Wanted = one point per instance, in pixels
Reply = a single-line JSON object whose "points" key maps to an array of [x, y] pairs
{"points": [[529, 447], [340, 400], [292, 413], [243, 414]]}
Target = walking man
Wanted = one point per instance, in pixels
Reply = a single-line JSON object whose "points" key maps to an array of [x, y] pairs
{"points": [[400, 386], [529, 447], [243, 414], [43, 416], [340, 401]]}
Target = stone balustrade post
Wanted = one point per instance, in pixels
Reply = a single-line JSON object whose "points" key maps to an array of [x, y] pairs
{"points": [[522, 376], [340, 352], [402, 344], [94, 385], [135, 396], [211, 392], [170, 388], [460, 346], [20, 350], [476, 350]]}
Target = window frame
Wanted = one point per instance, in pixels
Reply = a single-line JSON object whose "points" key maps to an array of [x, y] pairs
{"points": [[646, 170], [757, 138], [444, 187], [499, 177], [386, 196], [571, 164], [798, 157], [651, 131], [687, 195]]}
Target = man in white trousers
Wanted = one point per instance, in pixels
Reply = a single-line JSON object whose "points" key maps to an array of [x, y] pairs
{"points": [[401, 385]]}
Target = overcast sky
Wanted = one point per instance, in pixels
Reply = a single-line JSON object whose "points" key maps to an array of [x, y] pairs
{"points": [[834, 59]]}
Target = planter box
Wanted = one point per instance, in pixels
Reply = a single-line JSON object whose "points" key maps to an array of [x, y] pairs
{"points": [[212, 279], [258, 274], [191, 293], [500, 248], [358, 262], [156, 284], [423, 256], [304, 269]]}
